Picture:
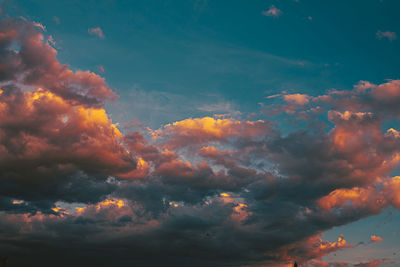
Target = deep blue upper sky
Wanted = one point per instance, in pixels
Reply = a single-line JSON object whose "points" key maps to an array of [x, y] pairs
{"points": [[218, 56]]}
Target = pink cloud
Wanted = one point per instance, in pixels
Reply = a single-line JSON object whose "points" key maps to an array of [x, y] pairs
{"points": [[299, 99], [101, 68], [89, 138], [272, 12], [56, 20], [36, 64], [39, 25], [96, 31], [386, 34]]}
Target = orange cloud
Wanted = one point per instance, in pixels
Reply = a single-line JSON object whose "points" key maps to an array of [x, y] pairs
{"points": [[299, 99], [310, 248], [199, 130], [35, 64], [48, 129], [387, 91], [355, 197], [376, 239], [391, 189]]}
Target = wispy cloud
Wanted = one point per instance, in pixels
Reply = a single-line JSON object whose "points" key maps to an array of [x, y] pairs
{"points": [[272, 12], [100, 68], [56, 20], [39, 25], [96, 31], [387, 34]]}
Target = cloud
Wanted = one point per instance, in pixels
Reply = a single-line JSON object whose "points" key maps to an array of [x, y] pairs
{"points": [[212, 190], [39, 25], [97, 31], [200, 130], [299, 99], [58, 131], [101, 68], [376, 239], [35, 64], [272, 12], [387, 34], [56, 20]]}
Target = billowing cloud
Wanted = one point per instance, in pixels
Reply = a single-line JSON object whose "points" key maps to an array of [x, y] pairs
{"points": [[34, 63]]}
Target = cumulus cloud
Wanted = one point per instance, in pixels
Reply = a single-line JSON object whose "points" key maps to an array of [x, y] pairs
{"points": [[35, 64]]}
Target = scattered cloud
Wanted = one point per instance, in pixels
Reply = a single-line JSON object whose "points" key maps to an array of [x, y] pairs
{"points": [[51, 41], [97, 32], [272, 12], [39, 25], [376, 239], [56, 20], [386, 34], [101, 68]]}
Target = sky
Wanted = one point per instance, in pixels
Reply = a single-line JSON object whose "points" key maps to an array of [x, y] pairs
{"points": [[201, 132]]}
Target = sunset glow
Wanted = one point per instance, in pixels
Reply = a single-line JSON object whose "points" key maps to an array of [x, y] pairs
{"points": [[200, 133]]}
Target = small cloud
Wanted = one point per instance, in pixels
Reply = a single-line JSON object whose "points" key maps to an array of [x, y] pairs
{"points": [[51, 41], [39, 25], [273, 96], [299, 99], [217, 107], [56, 20], [101, 68], [376, 239], [387, 34], [96, 31], [272, 12]]}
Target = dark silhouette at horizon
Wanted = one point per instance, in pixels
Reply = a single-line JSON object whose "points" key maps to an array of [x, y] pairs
{"points": [[295, 264], [4, 261]]}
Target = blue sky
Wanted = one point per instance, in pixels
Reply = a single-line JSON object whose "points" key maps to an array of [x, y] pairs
{"points": [[216, 52]]}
